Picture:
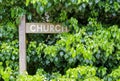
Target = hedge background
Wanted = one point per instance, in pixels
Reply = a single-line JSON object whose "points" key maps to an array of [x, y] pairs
{"points": [[90, 51]]}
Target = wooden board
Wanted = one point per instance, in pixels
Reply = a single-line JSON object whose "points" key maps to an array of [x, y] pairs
{"points": [[45, 28]]}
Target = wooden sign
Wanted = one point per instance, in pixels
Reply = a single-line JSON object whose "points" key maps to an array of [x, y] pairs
{"points": [[33, 28], [44, 28]]}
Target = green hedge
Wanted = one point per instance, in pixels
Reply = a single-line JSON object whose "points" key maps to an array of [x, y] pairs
{"points": [[90, 51]]}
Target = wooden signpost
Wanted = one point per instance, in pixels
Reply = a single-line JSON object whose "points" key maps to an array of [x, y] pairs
{"points": [[33, 28]]}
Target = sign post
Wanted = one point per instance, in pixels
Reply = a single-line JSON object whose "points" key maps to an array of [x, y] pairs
{"points": [[33, 28], [22, 46]]}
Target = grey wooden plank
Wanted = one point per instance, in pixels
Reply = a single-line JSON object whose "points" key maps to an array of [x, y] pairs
{"points": [[45, 28], [22, 46]]}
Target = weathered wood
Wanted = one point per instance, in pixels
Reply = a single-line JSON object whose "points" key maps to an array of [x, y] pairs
{"points": [[22, 46], [45, 28]]}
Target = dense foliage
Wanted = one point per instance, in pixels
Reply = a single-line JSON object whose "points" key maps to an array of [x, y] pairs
{"points": [[90, 51]]}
